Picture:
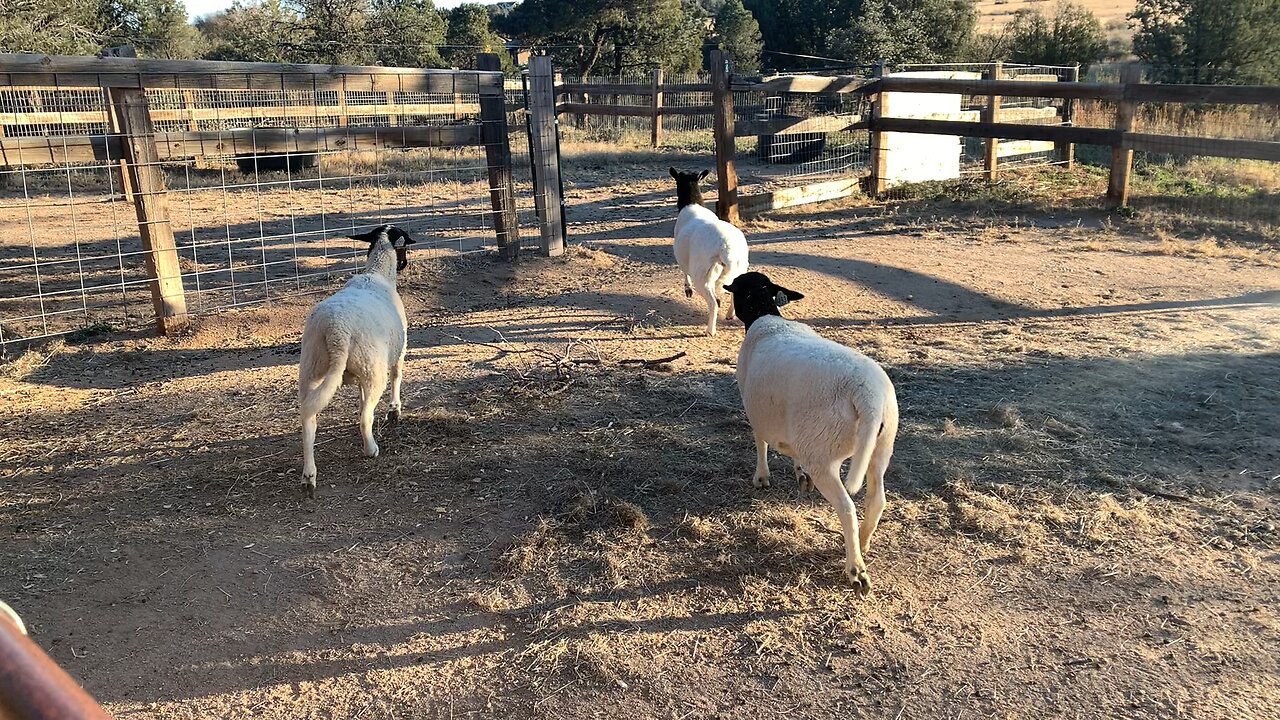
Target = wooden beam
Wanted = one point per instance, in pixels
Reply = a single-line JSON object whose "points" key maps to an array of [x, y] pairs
{"points": [[604, 88], [260, 112], [1121, 155], [689, 110], [686, 87], [151, 205], [811, 84], [545, 155], [58, 150], [1007, 131], [1221, 94], [803, 195], [1067, 151], [990, 112], [497, 150], [879, 142], [1008, 88], [655, 124], [726, 172], [744, 127], [1214, 147], [181, 145], [580, 108]]}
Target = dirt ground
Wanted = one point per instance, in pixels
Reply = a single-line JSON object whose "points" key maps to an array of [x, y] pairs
{"points": [[1081, 522]]}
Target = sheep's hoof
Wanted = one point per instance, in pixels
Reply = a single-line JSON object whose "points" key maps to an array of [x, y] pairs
{"points": [[309, 483], [860, 580], [371, 450], [688, 291], [803, 480], [760, 482], [393, 416]]}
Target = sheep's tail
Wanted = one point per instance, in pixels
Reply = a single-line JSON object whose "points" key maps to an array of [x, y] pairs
{"points": [[869, 428], [319, 372]]}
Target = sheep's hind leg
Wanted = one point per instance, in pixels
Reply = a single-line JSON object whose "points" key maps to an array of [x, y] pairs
{"points": [[707, 291], [761, 477], [370, 391], [688, 286], [309, 453], [827, 478], [397, 374]]}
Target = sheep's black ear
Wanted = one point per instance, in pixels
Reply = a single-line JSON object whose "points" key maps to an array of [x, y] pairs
{"points": [[784, 296], [674, 172], [703, 175], [369, 237]]}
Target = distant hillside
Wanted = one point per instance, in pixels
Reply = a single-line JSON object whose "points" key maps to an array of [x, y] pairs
{"points": [[993, 14]]}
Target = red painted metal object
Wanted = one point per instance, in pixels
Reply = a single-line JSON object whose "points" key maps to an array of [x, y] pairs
{"points": [[32, 686]]}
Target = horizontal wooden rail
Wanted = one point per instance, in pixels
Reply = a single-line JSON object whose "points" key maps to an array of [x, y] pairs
{"points": [[819, 84], [792, 125], [1214, 147], [1010, 88], [172, 146], [1007, 131], [76, 71], [1221, 94], [276, 112], [602, 109], [604, 89]]}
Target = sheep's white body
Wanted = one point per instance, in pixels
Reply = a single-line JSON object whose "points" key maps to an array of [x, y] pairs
{"points": [[357, 336], [821, 403], [711, 253]]}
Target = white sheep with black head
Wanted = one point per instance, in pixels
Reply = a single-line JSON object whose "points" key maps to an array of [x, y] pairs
{"points": [[357, 336], [711, 252], [821, 404]]}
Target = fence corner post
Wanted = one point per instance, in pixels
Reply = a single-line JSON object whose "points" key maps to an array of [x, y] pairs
{"points": [[1121, 154], [144, 180], [544, 132], [879, 149], [655, 135], [497, 150], [991, 115], [1067, 151], [722, 100]]}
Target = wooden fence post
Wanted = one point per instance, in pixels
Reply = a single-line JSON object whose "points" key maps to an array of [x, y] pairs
{"points": [[722, 100], [545, 155], [990, 114], [655, 135], [879, 150], [497, 150], [1067, 151], [145, 180], [1121, 155]]}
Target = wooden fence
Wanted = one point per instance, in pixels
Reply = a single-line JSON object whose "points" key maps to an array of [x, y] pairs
{"points": [[372, 108]]}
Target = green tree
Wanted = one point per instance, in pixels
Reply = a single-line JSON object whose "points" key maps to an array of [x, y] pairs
{"points": [[905, 31], [264, 32], [470, 32], [338, 31], [155, 28], [614, 36], [57, 27], [1072, 35], [1209, 41], [740, 35], [410, 33]]}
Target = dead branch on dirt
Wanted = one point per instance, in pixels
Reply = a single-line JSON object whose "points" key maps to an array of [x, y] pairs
{"points": [[654, 362]]}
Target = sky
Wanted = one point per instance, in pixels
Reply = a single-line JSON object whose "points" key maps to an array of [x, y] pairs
{"points": [[199, 8]]}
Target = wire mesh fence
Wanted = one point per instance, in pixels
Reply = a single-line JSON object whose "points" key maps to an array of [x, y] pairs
{"points": [[261, 209]]}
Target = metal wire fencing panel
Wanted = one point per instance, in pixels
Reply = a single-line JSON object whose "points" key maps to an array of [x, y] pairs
{"points": [[262, 186]]}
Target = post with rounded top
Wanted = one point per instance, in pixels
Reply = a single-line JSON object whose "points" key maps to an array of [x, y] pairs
{"points": [[879, 150], [655, 133], [722, 101], [1121, 154]]}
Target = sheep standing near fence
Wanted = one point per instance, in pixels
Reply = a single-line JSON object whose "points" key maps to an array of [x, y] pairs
{"points": [[820, 403], [357, 336], [711, 252]]}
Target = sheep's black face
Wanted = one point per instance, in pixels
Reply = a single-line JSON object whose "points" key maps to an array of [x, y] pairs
{"points": [[687, 192], [399, 239], [755, 295]]}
